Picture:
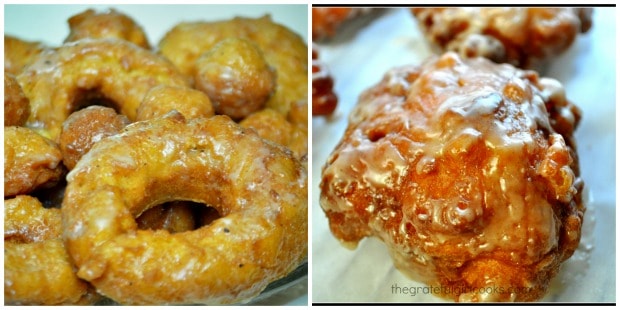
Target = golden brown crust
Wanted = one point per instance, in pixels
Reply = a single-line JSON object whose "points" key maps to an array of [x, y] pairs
{"points": [[31, 161], [461, 169], [162, 99], [523, 37], [26, 221], [122, 73], [37, 269], [86, 127], [18, 53], [283, 50], [235, 75], [16, 105], [108, 24], [274, 127], [259, 189]]}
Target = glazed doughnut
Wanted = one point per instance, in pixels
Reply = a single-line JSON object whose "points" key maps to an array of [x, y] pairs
{"points": [[16, 105], [283, 50], [86, 127], [523, 37], [274, 127], [31, 161], [18, 53], [37, 269], [324, 101], [461, 169], [109, 24], [60, 81], [235, 75], [259, 189], [162, 99]]}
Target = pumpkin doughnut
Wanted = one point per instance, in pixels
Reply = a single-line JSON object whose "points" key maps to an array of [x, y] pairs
{"points": [[162, 99], [84, 128], [258, 188], [16, 105], [109, 24], [467, 170], [37, 268], [31, 161], [283, 50], [61, 81]]}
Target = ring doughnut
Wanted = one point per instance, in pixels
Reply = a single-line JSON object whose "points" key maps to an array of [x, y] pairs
{"points": [[59, 81], [109, 24], [31, 161], [283, 50], [16, 105], [258, 188]]}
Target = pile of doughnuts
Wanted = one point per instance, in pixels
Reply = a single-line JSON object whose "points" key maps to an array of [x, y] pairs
{"points": [[173, 175], [466, 167]]}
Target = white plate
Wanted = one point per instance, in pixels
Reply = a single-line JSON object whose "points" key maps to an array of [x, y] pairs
{"points": [[48, 24], [360, 55]]}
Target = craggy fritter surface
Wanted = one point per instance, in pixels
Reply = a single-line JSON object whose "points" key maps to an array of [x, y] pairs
{"points": [[108, 24], [258, 188], [467, 170], [19, 53], [283, 50], [86, 127], [16, 105], [31, 161], [37, 269], [236, 76], [523, 37], [63, 79]]}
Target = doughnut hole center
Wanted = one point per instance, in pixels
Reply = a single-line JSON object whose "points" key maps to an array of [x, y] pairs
{"points": [[177, 216], [88, 97]]}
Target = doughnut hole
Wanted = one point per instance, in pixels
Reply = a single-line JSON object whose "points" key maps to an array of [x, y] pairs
{"points": [[177, 216], [236, 77], [83, 128]]}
